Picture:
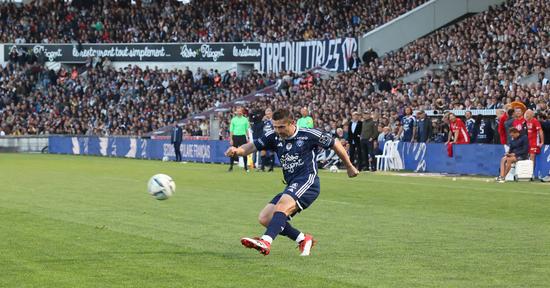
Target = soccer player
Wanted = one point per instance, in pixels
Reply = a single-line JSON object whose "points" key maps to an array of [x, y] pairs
{"points": [[459, 134], [297, 149], [519, 122], [534, 134], [267, 155], [407, 133], [470, 123]]}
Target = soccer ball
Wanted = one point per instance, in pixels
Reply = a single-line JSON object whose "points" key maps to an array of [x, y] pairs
{"points": [[333, 169], [165, 159], [161, 186]]}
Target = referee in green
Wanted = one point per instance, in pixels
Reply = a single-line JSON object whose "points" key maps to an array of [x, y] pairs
{"points": [[238, 130], [305, 121]]}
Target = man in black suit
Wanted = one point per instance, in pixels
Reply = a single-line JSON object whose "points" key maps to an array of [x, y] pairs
{"points": [[424, 128], [175, 139], [354, 138]]}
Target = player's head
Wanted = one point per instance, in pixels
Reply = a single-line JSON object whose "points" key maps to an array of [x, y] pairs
{"points": [[529, 114], [239, 111], [468, 114], [304, 111], [518, 113], [283, 123], [268, 113], [408, 111], [514, 132], [452, 117]]}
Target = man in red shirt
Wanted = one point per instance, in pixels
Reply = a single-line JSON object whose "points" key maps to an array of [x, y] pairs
{"points": [[519, 123], [534, 134], [459, 133]]}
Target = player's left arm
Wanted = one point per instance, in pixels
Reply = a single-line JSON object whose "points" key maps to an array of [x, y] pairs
{"points": [[341, 152]]}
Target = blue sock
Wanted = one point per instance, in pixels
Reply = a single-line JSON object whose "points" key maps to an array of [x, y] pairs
{"points": [[277, 224], [290, 232]]}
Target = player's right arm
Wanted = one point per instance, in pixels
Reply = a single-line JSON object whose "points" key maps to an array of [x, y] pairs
{"points": [[242, 150]]}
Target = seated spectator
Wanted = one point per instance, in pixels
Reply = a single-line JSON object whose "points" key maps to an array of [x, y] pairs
{"points": [[519, 149]]}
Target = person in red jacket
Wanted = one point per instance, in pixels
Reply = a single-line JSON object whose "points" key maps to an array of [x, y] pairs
{"points": [[534, 134], [501, 128], [459, 133]]}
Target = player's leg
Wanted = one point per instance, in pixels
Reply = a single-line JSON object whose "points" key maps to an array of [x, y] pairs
{"points": [[233, 158], [265, 217]]}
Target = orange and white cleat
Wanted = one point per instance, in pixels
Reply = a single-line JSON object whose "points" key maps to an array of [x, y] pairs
{"points": [[256, 243], [306, 245]]}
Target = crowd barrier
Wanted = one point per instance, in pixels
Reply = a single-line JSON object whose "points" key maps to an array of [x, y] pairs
{"points": [[475, 159], [207, 151]]}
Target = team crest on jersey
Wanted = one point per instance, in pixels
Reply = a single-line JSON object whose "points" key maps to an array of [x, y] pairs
{"points": [[288, 146], [299, 143]]}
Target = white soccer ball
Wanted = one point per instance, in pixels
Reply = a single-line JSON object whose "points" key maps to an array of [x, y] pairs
{"points": [[161, 186], [333, 169], [165, 159]]}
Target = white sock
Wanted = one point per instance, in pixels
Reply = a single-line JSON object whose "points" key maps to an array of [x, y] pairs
{"points": [[300, 238], [267, 238]]}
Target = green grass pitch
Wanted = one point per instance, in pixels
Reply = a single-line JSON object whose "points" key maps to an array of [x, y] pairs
{"points": [[73, 221]]}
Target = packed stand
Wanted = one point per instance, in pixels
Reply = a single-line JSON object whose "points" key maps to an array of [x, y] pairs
{"points": [[198, 21], [101, 100]]}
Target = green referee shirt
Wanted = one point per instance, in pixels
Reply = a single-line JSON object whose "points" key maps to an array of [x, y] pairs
{"points": [[239, 125], [305, 122]]}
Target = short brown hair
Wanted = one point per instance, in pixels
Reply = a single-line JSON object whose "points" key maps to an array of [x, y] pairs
{"points": [[280, 114], [513, 130]]}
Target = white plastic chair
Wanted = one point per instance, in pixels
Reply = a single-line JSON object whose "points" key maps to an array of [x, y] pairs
{"points": [[384, 159]]}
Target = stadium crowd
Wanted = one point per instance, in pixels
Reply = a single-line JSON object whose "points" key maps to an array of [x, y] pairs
{"points": [[487, 55], [198, 21], [101, 100]]}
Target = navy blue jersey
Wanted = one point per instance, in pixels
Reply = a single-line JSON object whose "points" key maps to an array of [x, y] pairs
{"points": [[470, 126], [268, 126], [408, 123], [297, 154], [484, 132]]}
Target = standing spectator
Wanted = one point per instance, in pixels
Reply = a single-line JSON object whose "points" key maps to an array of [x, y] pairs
{"points": [[534, 134], [407, 131], [175, 139], [545, 124], [483, 131], [238, 133], [502, 131], [354, 139], [509, 123], [459, 134], [423, 127], [519, 147], [369, 56], [369, 133], [470, 122], [354, 62], [305, 121]]}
